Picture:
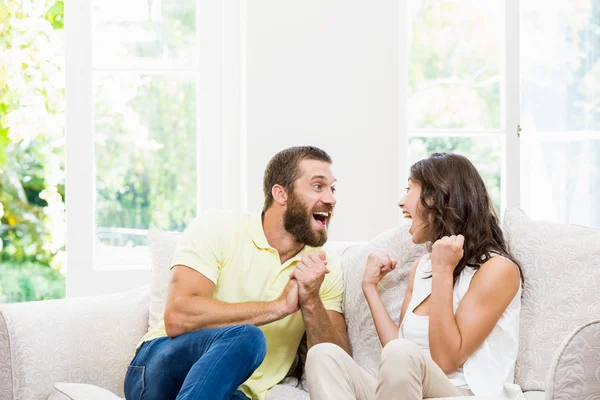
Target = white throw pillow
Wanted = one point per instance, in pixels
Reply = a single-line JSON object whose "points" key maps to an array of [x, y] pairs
{"points": [[80, 391], [397, 242], [162, 247], [561, 267]]}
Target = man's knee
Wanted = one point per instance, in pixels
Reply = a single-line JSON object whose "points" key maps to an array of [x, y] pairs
{"points": [[250, 342]]}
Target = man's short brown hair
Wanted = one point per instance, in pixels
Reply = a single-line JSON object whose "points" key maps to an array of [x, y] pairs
{"points": [[284, 169]]}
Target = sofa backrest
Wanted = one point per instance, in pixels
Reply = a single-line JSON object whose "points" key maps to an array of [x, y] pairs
{"points": [[162, 247], [561, 267]]}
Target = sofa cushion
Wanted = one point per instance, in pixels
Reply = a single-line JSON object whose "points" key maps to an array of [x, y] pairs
{"points": [[83, 339], [80, 391], [535, 395], [561, 267], [162, 247], [366, 348], [289, 389]]}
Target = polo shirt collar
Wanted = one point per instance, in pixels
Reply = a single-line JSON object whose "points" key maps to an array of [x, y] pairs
{"points": [[257, 233]]}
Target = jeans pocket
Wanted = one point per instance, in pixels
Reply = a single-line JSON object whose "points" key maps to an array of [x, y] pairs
{"points": [[134, 382]]}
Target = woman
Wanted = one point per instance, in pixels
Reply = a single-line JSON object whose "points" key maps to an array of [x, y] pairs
{"points": [[459, 324]]}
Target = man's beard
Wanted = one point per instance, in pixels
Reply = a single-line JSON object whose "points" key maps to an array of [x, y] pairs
{"points": [[297, 220]]}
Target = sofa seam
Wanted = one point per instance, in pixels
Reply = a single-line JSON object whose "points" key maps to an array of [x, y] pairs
{"points": [[348, 248], [568, 340], [62, 392], [12, 372]]}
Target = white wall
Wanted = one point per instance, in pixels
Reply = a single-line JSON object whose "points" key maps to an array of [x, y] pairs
{"points": [[325, 73]]}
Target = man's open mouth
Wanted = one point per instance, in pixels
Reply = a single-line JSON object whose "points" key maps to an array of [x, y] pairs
{"points": [[322, 217]]}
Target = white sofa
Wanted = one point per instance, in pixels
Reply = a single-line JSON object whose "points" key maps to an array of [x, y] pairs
{"points": [[79, 348]]}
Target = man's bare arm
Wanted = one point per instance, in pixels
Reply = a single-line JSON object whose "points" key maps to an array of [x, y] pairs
{"points": [[324, 326], [190, 305]]}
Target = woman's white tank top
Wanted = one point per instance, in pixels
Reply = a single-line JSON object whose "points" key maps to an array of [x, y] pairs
{"points": [[490, 370]]}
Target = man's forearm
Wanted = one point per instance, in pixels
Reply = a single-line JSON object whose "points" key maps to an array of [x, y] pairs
{"points": [[187, 314], [319, 328]]}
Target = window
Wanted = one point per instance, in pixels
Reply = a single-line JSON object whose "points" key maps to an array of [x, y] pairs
{"points": [[144, 93], [560, 110], [456, 80]]}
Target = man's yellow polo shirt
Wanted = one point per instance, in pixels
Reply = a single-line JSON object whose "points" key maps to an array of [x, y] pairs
{"points": [[232, 251]]}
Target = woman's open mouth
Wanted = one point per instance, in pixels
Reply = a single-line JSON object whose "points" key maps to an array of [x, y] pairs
{"points": [[408, 216]]}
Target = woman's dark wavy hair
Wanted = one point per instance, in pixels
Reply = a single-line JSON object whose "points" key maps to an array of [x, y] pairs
{"points": [[456, 202]]}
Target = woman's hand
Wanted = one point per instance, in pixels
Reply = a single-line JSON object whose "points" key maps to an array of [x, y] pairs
{"points": [[445, 255], [377, 267]]}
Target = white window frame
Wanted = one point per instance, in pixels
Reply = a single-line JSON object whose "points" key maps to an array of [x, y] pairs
{"points": [[219, 133], [511, 174]]}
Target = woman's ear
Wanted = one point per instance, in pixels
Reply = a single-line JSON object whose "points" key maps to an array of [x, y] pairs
{"points": [[429, 201]]}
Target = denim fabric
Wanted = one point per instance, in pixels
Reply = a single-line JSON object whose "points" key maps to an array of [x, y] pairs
{"points": [[205, 364]]}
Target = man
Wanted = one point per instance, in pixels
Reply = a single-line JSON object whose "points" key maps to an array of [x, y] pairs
{"points": [[231, 326]]}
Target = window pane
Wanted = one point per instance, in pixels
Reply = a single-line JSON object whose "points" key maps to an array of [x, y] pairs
{"points": [[134, 30], [560, 65], [145, 151], [485, 152], [560, 110], [564, 181], [456, 55]]}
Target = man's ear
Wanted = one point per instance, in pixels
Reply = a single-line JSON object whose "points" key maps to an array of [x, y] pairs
{"points": [[280, 195]]}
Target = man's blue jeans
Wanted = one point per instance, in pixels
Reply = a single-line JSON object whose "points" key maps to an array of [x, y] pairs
{"points": [[206, 364]]}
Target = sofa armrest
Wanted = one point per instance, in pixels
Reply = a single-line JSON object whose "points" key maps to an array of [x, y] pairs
{"points": [[575, 366], [84, 340]]}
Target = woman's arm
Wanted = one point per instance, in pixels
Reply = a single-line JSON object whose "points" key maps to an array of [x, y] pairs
{"points": [[387, 330], [453, 338]]}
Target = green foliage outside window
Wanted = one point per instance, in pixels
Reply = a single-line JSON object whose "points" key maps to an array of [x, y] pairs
{"points": [[31, 150]]}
